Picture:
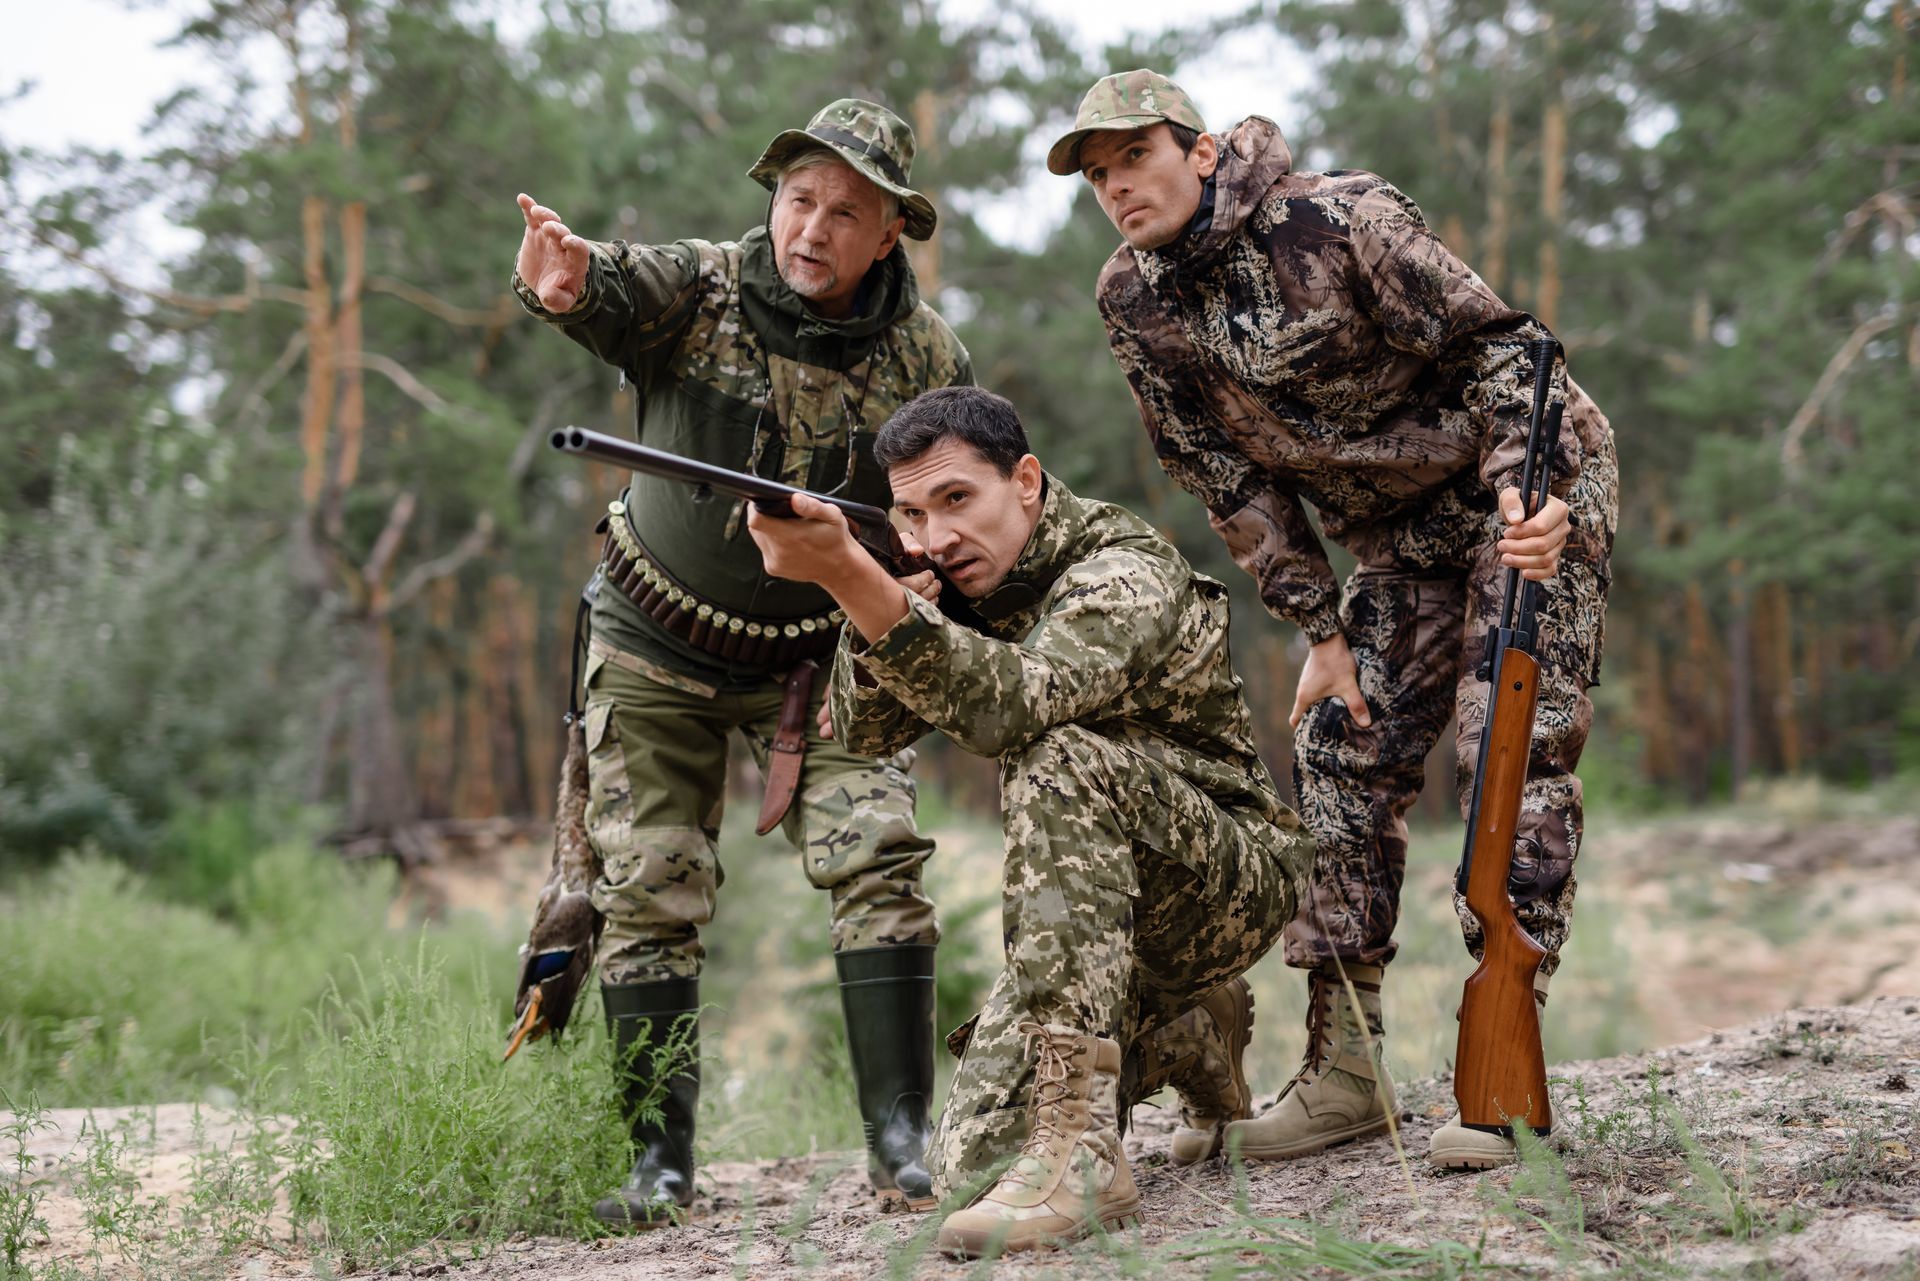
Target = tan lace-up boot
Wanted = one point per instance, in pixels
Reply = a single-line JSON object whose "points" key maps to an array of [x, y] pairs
{"points": [[1200, 1054], [1342, 1090], [1457, 1147], [1072, 1173]]}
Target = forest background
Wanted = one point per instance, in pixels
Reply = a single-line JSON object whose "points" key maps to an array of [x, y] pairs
{"points": [[277, 522], [285, 564]]}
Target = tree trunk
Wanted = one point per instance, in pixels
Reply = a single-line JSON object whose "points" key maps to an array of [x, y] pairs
{"points": [[380, 798], [1739, 679]]}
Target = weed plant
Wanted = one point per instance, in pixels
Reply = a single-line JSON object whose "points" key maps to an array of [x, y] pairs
{"points": [[410, 1132]]}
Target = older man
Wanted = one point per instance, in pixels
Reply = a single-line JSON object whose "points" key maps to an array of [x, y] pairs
{"points": [[1302, 338], [1149, 860], [780, 353]]}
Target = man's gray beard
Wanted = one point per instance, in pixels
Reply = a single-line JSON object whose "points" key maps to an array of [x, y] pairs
{"points": [[810, 291]]}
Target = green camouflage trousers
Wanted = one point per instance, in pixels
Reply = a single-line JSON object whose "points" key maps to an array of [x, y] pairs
{"points": [[656, 762], [1128, 896]]}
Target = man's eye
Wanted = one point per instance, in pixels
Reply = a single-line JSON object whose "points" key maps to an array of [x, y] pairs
{"points": [[1135, 153], [954, 500], [1096, 176]]}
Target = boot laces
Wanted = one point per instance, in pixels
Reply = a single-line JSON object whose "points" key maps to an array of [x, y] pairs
{"points": [[1050, 1074], [1319, 1018]]}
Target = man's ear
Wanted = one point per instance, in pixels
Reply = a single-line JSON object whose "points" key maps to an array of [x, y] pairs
{"points": [[1206, 155], [892, 238], [1032, 481]]}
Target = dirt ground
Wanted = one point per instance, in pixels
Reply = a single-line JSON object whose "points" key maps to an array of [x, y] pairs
{"points": [[1809, 1119], [1801, 1160]]}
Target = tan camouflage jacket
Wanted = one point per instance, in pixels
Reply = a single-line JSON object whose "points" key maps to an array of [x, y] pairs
{"points": [[1102, 624], [1317, 342], [731, 367]]}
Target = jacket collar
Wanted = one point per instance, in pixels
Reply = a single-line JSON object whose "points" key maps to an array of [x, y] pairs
{"points": [[1057, 542], [792, 330], [1253, 156]]}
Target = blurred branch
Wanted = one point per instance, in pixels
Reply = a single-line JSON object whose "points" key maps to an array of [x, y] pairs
{"points": [[452, 313], [205, 305], [1577, 340], [387, 546], [1890, 205], [710, 120], [421, 576], [1791, 450], [399, 376], [536, 433]]}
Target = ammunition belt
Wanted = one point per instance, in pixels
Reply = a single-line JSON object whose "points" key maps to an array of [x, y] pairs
{"points": [[772, 643]]}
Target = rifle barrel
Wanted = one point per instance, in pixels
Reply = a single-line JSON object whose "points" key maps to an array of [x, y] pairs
{"points": [[603, 448]]}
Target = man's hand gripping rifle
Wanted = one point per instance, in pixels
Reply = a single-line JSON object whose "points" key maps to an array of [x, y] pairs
{"points": [[1500, 1068], [566, 927], [870, 525]]}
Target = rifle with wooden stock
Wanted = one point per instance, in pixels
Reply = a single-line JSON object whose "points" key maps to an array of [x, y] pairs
{"points": [[1500, 1067]]}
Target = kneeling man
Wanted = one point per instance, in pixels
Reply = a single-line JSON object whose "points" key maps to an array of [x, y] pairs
{"points": [[1149, 859]]}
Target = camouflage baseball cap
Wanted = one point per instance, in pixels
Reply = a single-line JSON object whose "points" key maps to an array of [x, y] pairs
{"points": [[1121, 101], [877, 143]]}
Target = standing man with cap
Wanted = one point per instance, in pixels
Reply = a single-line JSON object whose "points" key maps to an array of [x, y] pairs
{"points": [[780, 354], [1301, 338]]}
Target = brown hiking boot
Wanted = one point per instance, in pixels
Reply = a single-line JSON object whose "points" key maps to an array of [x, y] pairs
{"points": [[1200, 1055], [1341, 1091], [1072, 1174]]}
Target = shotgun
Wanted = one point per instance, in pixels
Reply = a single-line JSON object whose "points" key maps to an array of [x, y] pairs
{"points": [[1500, 1067], [871, 527]]}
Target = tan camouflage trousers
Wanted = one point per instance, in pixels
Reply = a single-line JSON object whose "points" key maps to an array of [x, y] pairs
{"points": [[1128, 896], [656, 763], [1416, 614]]}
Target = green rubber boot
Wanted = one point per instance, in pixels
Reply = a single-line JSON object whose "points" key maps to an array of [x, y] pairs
{"points": [[887, 995], [641, 1017]]}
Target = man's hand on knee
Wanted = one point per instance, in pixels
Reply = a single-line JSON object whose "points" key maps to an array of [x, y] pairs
{"points": [[1330, 672]]}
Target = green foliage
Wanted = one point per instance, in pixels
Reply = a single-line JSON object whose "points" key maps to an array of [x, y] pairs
{"points": [[458, 1146], [114, 994], [20, 1219], [115, 714]]}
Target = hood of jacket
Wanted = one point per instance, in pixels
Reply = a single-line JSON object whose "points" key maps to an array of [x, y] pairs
{"points": [[1253, 156], [794, 330]]}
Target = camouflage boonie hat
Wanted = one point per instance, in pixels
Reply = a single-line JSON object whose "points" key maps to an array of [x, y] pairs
{"points": [[1124, 100], [877, 143]]}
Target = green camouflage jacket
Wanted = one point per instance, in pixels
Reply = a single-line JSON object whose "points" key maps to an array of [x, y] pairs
{"points": [[730, 367], [1316, 341], [1101, 624]]}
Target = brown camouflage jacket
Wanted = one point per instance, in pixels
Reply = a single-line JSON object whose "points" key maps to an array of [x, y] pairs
{"points": [[1317, 342], [1101, 623]]}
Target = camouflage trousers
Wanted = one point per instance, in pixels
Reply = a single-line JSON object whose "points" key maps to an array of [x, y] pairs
{"points": [[1416, 614], [656, 764], [1128, 896]]}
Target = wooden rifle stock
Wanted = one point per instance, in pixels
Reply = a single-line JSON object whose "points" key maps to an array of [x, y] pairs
{"points": [[1499, 1065]]}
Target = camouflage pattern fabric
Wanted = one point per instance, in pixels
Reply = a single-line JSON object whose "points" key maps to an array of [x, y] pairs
{"points": [[656, 761], [1148, 856], [730, 367], [1124, 101], [1418, 632], [1316, 343], [877, 143]]}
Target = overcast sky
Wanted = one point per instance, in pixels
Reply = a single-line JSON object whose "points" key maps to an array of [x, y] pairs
{"points": [[99, 68]]}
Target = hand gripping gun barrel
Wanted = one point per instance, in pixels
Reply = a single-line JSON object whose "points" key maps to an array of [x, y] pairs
{"points": [[1500, 1068]]}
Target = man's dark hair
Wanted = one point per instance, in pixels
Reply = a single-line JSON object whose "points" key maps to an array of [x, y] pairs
{"points": [[970, 414]]}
